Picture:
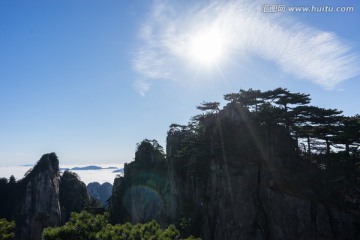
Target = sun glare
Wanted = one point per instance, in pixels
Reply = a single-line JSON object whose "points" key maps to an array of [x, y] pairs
{"points": [[207, 47]]}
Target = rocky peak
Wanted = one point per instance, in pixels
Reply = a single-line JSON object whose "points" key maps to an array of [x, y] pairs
{"points": [[149, 151], [40, 207], [231, 175], [238, 179]]}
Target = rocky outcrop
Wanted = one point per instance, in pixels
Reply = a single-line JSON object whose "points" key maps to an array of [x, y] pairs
{"points": [[249, 185], [44, 198], [233, 178], [246, 205], [73, 195], [101, 192], [140, 195], [40, 207]]}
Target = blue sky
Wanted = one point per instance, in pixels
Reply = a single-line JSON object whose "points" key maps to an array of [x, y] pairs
{"points": [[90, 79]]}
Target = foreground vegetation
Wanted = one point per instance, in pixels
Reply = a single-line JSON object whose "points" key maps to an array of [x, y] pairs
{"points": [[87, 226], [7, 229]]}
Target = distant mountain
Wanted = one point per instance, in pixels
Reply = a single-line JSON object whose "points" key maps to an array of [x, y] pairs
{"points": [[99, 191], [87, 168], [120, 170], [26, 165], [111, 168], [91, 167]]}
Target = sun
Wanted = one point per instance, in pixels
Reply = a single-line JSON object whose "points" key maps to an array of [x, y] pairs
{"points": [[207, 47]]}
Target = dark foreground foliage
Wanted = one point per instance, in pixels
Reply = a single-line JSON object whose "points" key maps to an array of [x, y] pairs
{"points": [[86, 226], [7, 229]]}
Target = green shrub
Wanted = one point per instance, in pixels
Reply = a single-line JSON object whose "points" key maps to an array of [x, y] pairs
{"points": [[7, 229], [86, 226]]}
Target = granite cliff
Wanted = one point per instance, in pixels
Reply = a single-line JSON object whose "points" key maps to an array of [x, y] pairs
{"points": [[40, 207], [140, 196], [232, 178], [43, 198]]}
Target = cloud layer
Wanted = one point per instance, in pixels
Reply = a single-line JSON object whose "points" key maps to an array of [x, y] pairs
{"points": [[297, 49]]}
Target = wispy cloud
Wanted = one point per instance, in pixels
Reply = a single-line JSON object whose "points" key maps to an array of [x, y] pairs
{"points": [[297, 49], [141, 87]]}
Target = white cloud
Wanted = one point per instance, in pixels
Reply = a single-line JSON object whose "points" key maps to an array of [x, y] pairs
{"points": [[299, 50], [151, 64], [141, 87]]}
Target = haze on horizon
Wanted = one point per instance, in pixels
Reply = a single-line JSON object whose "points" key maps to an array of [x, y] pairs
{"points": [[90, 80]]}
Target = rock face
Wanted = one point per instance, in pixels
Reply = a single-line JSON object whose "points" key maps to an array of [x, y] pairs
{"points": [[43, 198], [246, 205], [140, 195], [235, 179], [248, 185], [73, 195], [99, 191], [40, 207]]}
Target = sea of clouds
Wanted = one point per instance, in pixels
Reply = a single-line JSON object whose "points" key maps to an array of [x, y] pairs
{"points": [[105, 174]]}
